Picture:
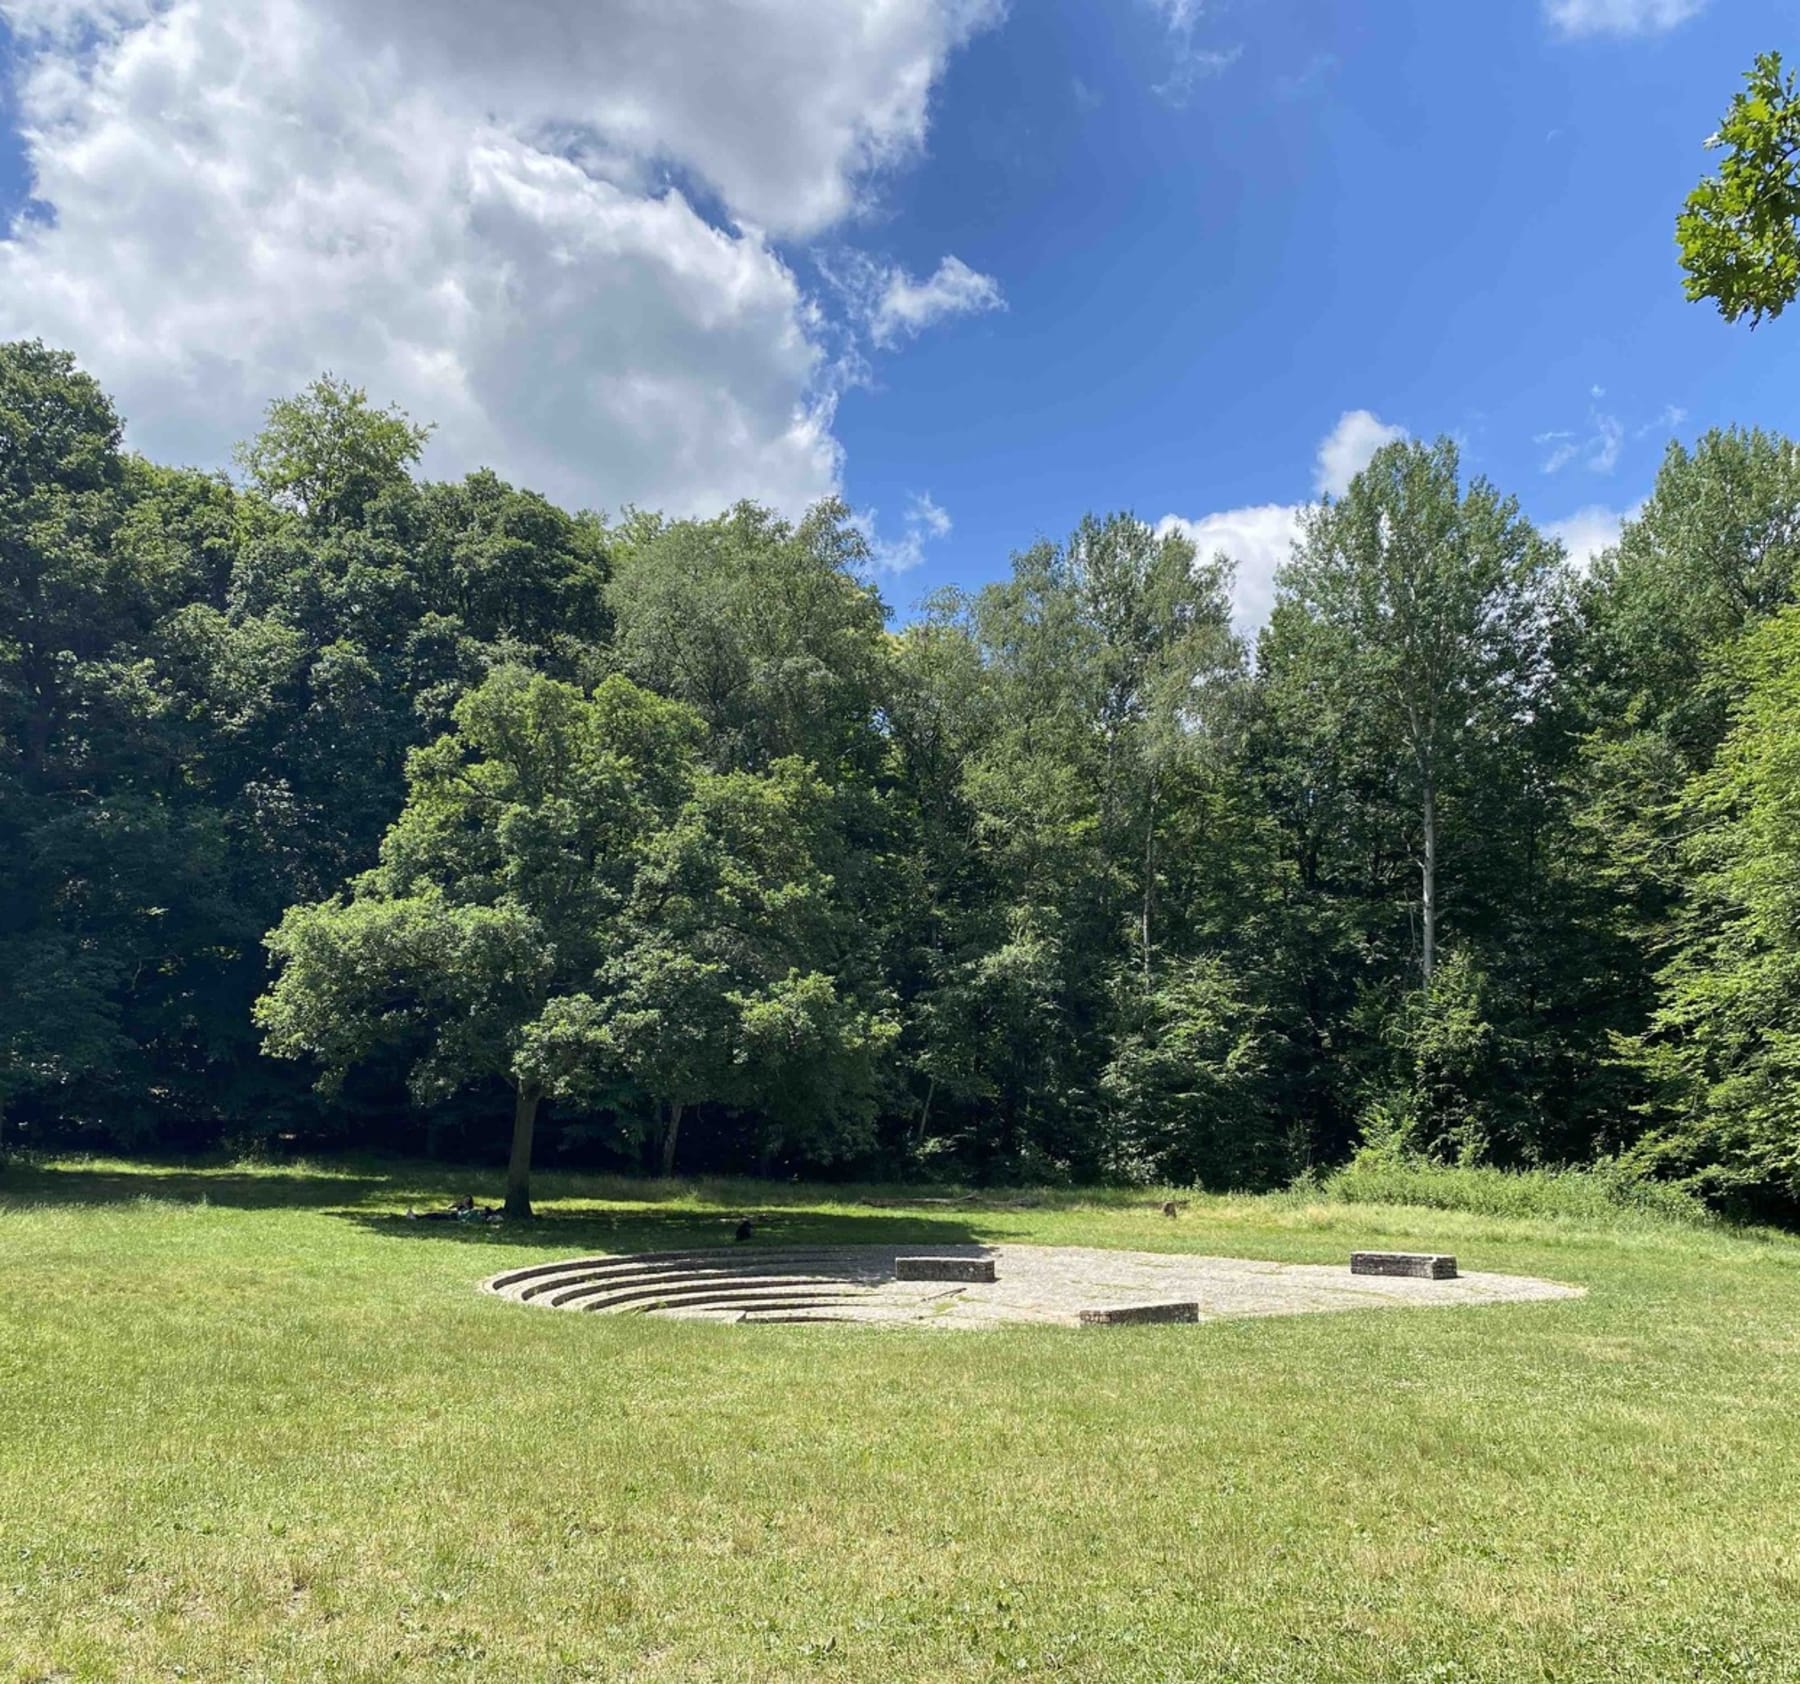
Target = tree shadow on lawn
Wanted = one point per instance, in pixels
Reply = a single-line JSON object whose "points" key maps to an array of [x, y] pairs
{"points": [[24, 1185], [310, 1184], [569, 1233], [621, 1214]]}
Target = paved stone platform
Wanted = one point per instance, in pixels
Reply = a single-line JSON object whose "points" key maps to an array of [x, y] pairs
{"points": [[1057, 1285]]}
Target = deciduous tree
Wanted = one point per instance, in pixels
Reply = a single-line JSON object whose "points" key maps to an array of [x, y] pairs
{"points": [[474, 946], [1740, 231]]}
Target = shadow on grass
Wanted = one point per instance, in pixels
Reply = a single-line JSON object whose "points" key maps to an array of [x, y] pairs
{"points": [[569, 1232], [620, 1215], [333, 1183], [63, 1184]]}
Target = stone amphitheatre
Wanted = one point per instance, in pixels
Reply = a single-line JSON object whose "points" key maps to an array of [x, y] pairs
{"points": [[976, 1286]]}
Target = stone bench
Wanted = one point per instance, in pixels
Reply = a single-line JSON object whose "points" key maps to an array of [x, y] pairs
{"points": [[1122, 1315], [943, 1268], [1421, 1265]]}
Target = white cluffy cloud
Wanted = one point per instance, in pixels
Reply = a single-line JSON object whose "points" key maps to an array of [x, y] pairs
{"points": [[1349, 447], [1260, 538], [1619, 17], [550, 228], [1584, 534]]}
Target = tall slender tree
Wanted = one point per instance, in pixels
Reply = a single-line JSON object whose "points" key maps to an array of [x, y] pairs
{"points": [[1419, 613]]}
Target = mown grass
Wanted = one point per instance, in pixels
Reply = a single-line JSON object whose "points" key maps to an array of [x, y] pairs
{"points": [[254, 1427]]}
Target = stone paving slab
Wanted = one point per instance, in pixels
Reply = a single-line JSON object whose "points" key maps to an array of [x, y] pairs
{"points": [[1432, 1265], [1061, 1285], [1126, 1315], [944, 1269]]}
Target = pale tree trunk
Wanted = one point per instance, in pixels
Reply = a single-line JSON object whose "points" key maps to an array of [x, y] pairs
{"points": [[671, 1133], [925, 1111], [1428, 885], [518, 1168], [1149, 883]]}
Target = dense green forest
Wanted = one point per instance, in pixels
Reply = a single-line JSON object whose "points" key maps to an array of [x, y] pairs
{"points": [[342, 808]]}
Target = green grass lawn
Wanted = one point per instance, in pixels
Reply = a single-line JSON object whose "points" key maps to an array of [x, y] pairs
{"points": [[252, 1427]]}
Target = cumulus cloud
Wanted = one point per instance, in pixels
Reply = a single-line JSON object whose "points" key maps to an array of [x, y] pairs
{"points": [[1348, 448], [1619, 17], [1584, 534], [904, 307], [1256, 540], [549, 227]]}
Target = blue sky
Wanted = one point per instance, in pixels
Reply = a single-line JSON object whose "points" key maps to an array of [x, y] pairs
{"points": [[1180, 242], [1451, 215]]}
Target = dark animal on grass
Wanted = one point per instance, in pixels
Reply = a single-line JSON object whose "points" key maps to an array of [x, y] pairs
{"points": [[746, 1228], [1174, 1207]]}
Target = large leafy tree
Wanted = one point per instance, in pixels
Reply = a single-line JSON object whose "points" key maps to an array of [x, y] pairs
{"points": [[763, 627], [1189, 1082], [336, 615], [768, 629], [62, 603], [568, 897], [726, 982], [329, 453], [1714, 553], [1413, 621], [473, 946], [1407, 745], [1069, 735], [1722, 1051], [107, 878], [1740, 231], [1715, 547]]}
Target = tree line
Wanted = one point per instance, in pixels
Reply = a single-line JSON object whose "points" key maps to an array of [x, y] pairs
{"points": [[342, 807]]}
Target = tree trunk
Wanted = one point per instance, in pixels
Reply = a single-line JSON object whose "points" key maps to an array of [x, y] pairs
{"points": [[518, 1168], [1428, 885], [1149, 881], [925, 1112], [671, 1133]]}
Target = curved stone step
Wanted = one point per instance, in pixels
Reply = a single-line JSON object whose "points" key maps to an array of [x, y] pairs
{"points": [[512, 1282], [857, 1312], [556, 1285], [731, 1283], [742, 1309], [611, 1295], [734, 1267]]}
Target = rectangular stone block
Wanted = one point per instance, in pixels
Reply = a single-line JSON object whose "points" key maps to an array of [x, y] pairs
{"points": [[943, 1268], [1423, 1265], [1120, 1315]]}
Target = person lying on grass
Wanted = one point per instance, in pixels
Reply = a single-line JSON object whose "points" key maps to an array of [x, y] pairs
{"points": [[464, 1210]]}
